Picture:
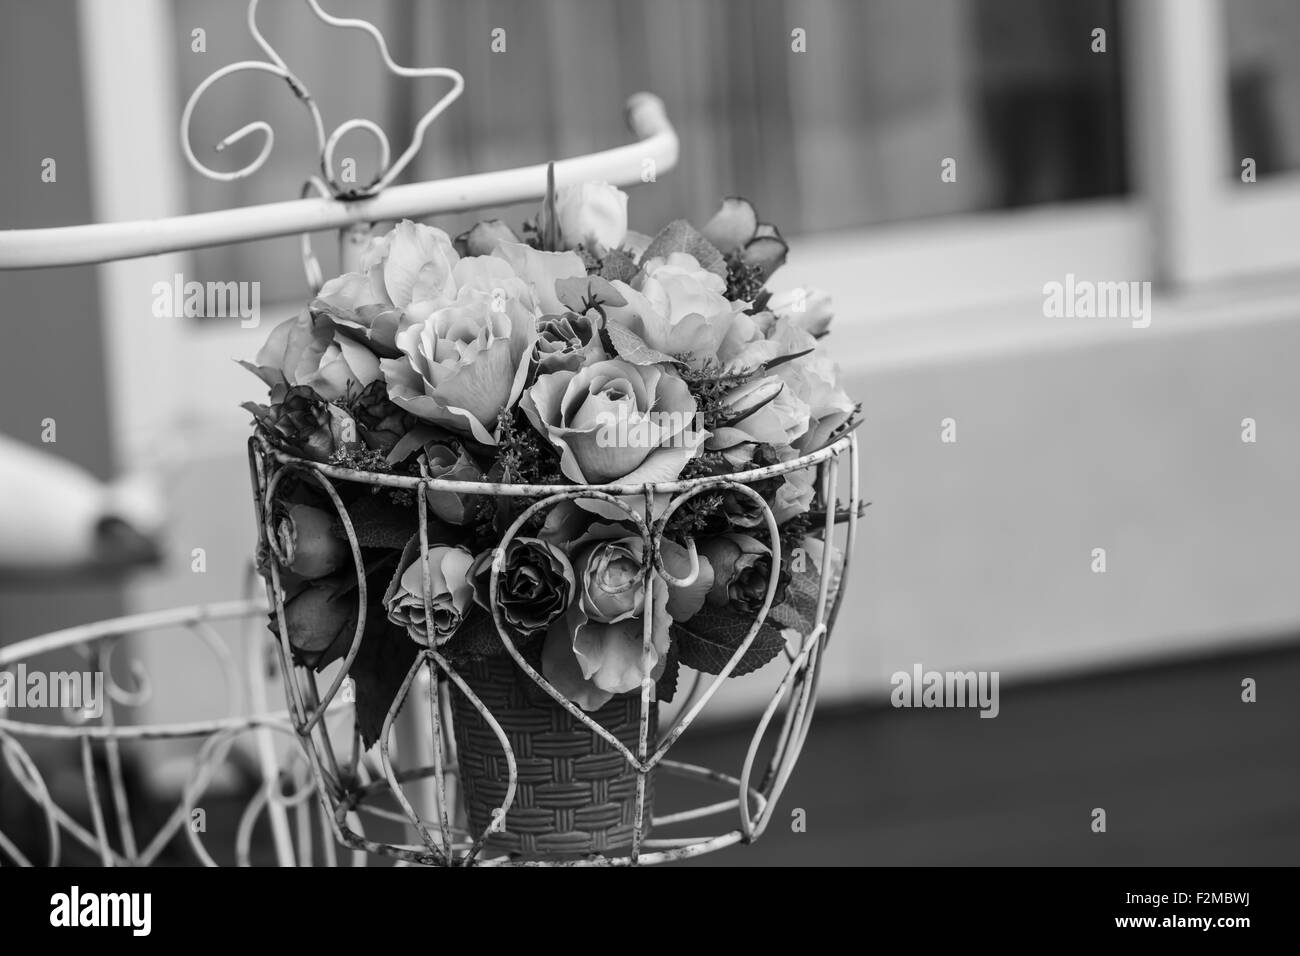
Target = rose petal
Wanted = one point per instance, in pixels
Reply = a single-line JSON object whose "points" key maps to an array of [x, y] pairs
{"points": [[561, 669], [733, 225], [684, 601]]}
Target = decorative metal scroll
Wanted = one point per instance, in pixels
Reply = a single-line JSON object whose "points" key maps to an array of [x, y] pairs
{"points": [[275, 65], [101, 818]]}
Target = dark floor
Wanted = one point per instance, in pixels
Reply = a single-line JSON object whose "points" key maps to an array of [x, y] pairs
{"points": [[1187, 773]]}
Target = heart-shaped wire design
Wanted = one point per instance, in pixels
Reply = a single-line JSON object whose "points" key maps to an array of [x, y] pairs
{"points": [[389, 169], [756, 799]]}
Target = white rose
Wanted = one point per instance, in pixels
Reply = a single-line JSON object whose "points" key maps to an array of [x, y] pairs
{"points": [[809, 309], [593, 215], [762, 412], [675, 307]]}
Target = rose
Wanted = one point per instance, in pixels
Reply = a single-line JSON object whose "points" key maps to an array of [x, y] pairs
{"points": [[593, 215], [742, 570], [305, 351], [763, 411], [540, 271], [815, 380], [613, 421], [458, 365], [736, 232], [454, 465], [745, 346], [597, 650], [672, 305], [382, 424], [404, 276], [302, 422], [816, 383], [483, 239], [536, 584], [680, 309], [567, 342], [678, 287], [321, 623], [415, 264], [449, 597], [305, 543], [809, 309], [739, 510], [795, 496]]}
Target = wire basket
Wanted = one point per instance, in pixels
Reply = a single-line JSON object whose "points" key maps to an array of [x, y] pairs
{"points": [[72, 785], [499, 768]]}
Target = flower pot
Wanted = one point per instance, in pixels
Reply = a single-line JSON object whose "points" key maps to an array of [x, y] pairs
{"points": [[576, 795]]}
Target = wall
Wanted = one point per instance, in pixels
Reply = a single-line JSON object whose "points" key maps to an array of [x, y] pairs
{"points": [[1071, 435], [51, 356]]}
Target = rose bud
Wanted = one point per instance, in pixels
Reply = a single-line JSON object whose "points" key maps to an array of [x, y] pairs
{"points": [[486, 235], [321, 623], [592, 215], [305, 350], [761, 412], [381, 423], [742, 567], [795, 496], [742, 511], [455, 465], [535, 586], [736, 232], [450, 592], [566, 342], [306, 424], [305, 544], [404, 274]]}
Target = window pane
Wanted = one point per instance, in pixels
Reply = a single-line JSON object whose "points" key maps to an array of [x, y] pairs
{"points": [[851, 132], [1264, 84]]}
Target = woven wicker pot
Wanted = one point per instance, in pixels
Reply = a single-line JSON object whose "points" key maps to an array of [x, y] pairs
{"points": [[576, 794]]}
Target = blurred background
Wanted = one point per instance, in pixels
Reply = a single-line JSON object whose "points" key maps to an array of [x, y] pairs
{"points": [[1114, 141]]}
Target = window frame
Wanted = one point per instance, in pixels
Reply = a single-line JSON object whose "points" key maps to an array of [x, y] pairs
{"points": [[1183, 225], [1206, 227]]}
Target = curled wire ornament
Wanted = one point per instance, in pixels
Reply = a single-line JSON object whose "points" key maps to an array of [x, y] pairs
{"points": [[388, 170]]}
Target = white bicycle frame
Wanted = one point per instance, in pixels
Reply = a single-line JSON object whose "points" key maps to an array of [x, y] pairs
{"points": [[655, 152]]}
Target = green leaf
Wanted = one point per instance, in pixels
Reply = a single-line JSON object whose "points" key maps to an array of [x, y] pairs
{"points": [[666, 686], [680, 236], [582, 293], [631, 348], [709, 639], [782, 359], [386, 654], [799, 609], [618, 266]]}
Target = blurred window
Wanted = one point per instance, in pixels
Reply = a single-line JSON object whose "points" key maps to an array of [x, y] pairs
{"points": [[1263, 38], [850, 133]]}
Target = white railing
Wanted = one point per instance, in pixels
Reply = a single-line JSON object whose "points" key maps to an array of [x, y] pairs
{"points": [[656, 149]]}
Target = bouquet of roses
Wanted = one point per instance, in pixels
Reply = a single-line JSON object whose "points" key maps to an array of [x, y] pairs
{"points": [[578, 354]]}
